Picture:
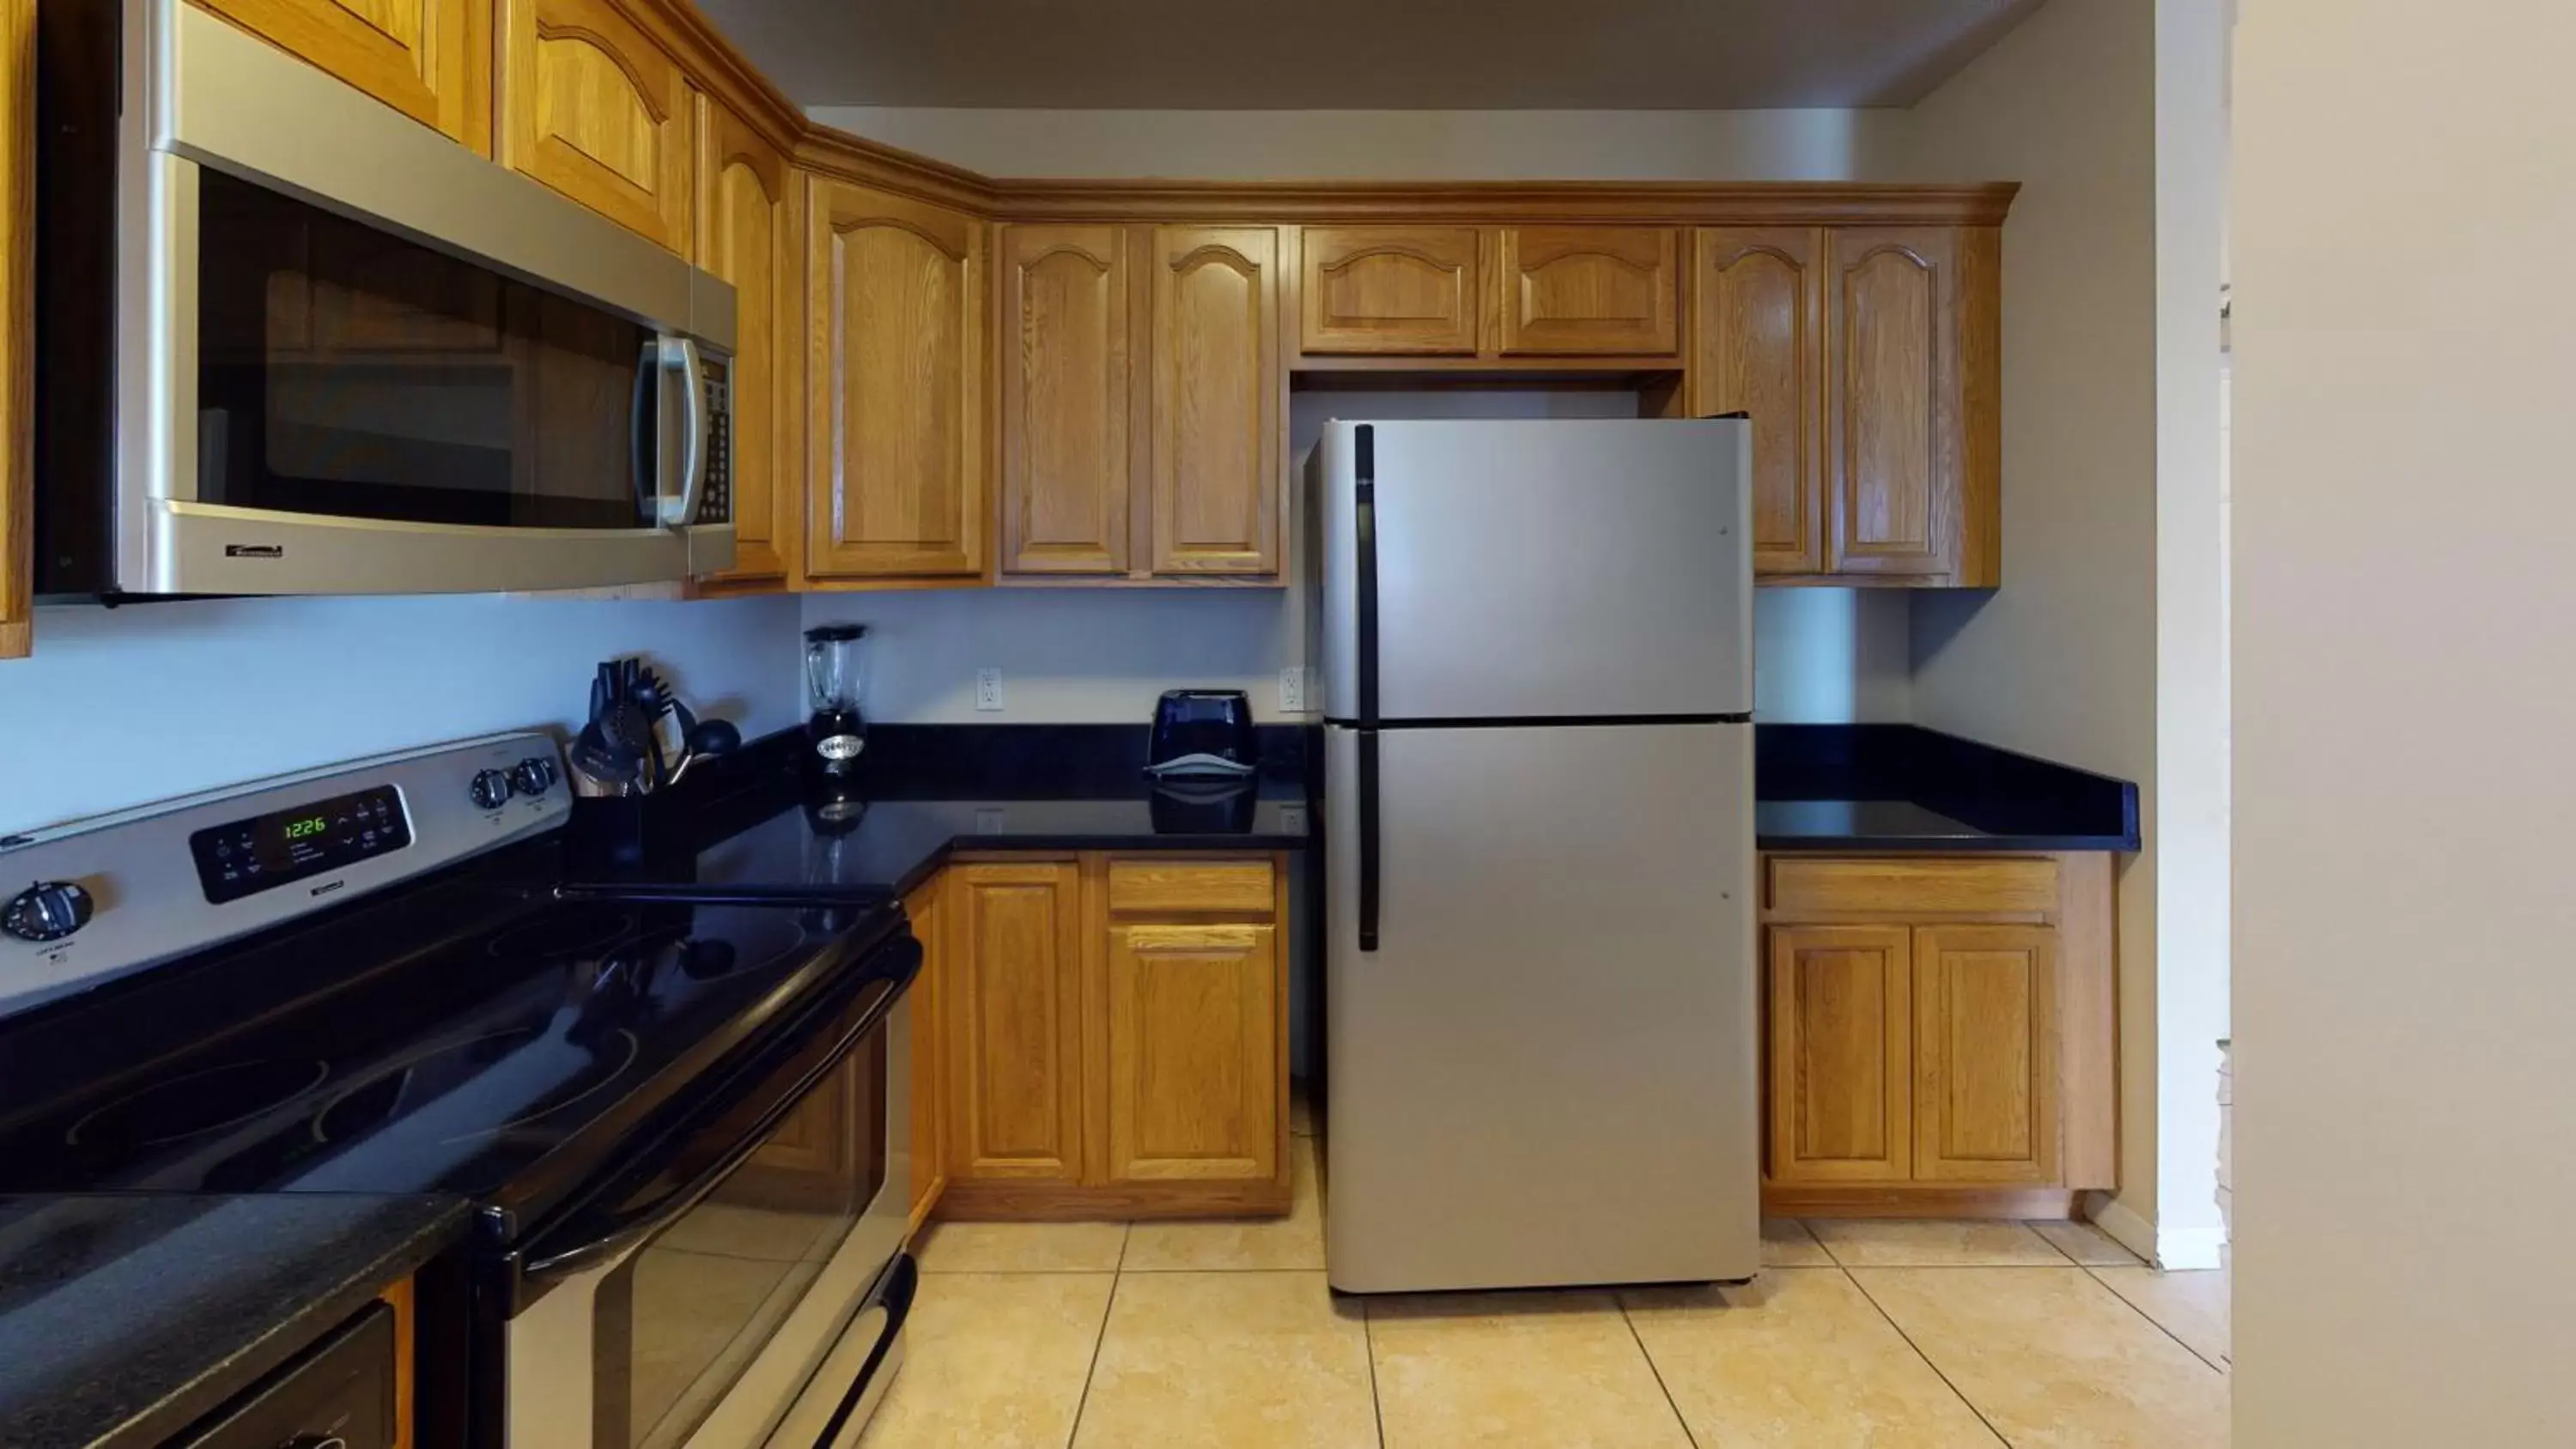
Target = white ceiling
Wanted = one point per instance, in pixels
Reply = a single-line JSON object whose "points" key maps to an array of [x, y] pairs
{"points": [[1364, 54]]}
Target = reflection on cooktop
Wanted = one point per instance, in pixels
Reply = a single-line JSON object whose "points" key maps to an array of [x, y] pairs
{"points": [[524, 1072]]}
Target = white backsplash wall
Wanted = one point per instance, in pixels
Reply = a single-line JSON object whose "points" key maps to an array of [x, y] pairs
{"points": [[1101, 656], [118, 707]]}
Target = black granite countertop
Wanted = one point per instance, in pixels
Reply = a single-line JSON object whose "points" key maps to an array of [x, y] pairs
{"points": [[934, 790], [125, 1317]]}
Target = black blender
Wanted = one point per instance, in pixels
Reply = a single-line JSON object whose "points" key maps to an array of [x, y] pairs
{"points": [[835, 673]]}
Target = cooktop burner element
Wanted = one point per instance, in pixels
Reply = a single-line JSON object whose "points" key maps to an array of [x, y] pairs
{"points": [[197, 1103], [526, 1072]]}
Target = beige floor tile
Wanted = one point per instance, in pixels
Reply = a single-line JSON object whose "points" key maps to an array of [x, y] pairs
{"points": [[1022, 1247], [1799, 1359], [1515, 1369], [2086, 1244], [2053, 1359], [1786, 1243], [993, 1360], [1912, 1243], [2194, 1307], [1295, 1241], [1243, 1360]]}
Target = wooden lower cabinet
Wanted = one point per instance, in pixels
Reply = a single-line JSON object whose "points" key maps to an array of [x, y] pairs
{"points": [[1014, 1048], [1841, 1073], [925, 1041], [1193, 1021], [1938, 1035], [1112, 1038]]}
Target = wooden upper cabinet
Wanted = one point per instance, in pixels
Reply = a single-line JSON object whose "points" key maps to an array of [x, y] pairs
{"points": [[1013, 935], [1596, 291], [17, 325], [1896, 417], [896, 421], [1065, 399], [1758, 345], [1388, 289], [744, 235], [1842, 1039], [1219, 402], [592, 107], [429, 59], [1985, 1011], [1194, 1023]]}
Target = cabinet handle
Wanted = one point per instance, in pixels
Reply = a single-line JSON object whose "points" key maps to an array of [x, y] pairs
{"points": [[1364, 535]]}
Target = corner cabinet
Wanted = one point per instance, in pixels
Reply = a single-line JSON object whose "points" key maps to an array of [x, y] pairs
{"points": [[592, 106], [1938, 1034], [429, 59], [896, 423], [1143, 404], [747, 234], [1113, 1038], [1869, 361]]}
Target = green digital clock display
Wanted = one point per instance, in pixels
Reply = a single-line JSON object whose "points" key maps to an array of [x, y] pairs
{"points": [[306, 828]]}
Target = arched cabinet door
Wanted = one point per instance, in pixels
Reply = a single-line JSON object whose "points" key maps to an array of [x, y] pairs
{"points": [[1893, 320], [1758, 348], [592, 107], [1408, 290], [1063, 351], [1588, 291], [896, 420], [745, 235], [429, 59], [1219, 400]]}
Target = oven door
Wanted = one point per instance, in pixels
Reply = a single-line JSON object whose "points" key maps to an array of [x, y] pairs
{"points": [[711, 1282], [353, 357]]}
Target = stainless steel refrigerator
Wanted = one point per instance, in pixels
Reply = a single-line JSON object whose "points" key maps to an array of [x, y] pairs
{"points": [[1539, 960]]}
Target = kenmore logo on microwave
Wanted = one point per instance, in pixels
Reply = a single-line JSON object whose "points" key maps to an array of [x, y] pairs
{"points": [[254, 550]]}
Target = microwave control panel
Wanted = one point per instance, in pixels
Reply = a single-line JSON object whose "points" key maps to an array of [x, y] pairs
{"points": [[715, 504]]}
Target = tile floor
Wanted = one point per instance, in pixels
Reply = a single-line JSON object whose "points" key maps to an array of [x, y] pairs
{"points": [[1911, 1334]]}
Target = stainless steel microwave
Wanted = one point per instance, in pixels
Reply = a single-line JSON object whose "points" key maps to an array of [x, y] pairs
{"points": [[294, 342]]}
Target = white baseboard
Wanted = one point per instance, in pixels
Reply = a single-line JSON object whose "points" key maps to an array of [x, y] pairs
{"points": [[2176, 1250]]}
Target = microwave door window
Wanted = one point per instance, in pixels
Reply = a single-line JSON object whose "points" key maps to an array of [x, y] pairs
{"points": [[351, 373]]}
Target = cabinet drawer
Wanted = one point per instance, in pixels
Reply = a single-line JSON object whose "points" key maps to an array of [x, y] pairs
{"points": [[1989, 887], [1235, 887]]}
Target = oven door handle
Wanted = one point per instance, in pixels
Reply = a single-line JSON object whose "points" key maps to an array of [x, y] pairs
{"points": [[893, 1297], [623, 1232]]}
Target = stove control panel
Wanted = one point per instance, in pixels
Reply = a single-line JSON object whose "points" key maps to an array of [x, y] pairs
{"points": [[262, 852], [94, 899]]}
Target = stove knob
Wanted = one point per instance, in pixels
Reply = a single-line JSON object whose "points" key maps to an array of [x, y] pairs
{"points": [[46, 911], [492, 789], [534, 775]]}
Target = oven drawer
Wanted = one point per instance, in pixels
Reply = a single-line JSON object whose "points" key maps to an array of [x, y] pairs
{"points": [[844, 1393], [341, 1392]]}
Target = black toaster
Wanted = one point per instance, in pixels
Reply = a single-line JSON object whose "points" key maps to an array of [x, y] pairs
{"points": [[1202, 732]]}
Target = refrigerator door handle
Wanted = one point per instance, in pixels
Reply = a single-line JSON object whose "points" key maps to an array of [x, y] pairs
{"points": [[1364, 536]]}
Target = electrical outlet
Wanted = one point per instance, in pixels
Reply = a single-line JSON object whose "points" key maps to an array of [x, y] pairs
{"points": [[1292, 690], [988, 819], [988, 689]]}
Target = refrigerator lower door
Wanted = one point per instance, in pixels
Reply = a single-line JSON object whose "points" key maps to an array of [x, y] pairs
{"points": [[1545, 1072]]}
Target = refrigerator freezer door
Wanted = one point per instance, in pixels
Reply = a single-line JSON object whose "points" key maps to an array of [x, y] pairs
{"points": [[1543, 569], [1545, 1073]]}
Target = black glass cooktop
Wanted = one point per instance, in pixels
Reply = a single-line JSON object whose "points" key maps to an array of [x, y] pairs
{"points": [[499, 1062]]}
